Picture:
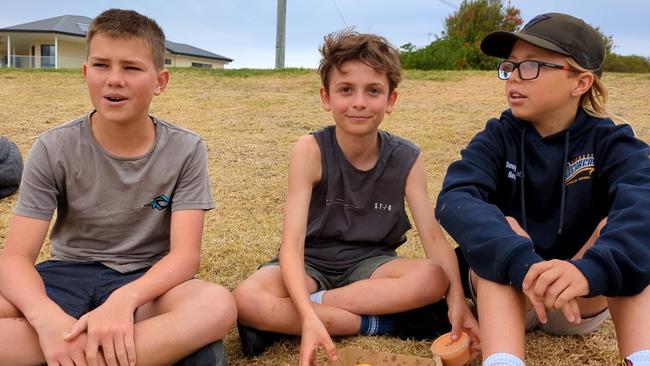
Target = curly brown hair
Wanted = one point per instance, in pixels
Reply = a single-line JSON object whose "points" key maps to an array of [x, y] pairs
{"points": [[371, 49]]}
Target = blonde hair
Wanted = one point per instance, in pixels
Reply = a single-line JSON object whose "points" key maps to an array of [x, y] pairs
{"points": [[594, 100]]}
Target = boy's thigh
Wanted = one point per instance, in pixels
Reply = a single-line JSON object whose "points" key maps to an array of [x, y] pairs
{"points": [[368, 268], [270, 274], [191, 295], [79, 287]]}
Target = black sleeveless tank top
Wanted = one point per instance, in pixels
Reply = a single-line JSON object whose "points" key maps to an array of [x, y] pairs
{"points": [[354, 214]]}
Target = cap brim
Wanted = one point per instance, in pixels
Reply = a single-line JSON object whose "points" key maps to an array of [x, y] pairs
{"points": [[499, 43]]}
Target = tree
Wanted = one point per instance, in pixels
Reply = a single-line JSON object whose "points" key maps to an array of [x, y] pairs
{"points": [[619, 63], [459, 45]]}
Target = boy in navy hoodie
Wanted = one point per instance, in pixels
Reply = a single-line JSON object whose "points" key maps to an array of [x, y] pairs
{"points": [[550, 203]]}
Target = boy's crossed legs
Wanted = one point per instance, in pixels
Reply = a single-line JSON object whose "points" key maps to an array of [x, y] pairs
{"points": [[184, 319], [392, 286], [505, 313]]}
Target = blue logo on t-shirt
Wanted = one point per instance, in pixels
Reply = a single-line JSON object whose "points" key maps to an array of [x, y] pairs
{"points": [[159, 203]]}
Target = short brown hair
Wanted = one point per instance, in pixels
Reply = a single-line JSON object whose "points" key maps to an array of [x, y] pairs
{"points": [[121, 23], [371, 49]]}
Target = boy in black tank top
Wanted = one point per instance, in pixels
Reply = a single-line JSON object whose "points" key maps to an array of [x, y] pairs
{"points": [[344, 217]]}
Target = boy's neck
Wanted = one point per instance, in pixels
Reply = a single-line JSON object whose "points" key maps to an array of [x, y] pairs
{"points": [[360, 151], [555, 121], [124, 140]]}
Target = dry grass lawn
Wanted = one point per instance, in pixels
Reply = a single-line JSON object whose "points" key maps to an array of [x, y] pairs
{"points": [[251, 120]]}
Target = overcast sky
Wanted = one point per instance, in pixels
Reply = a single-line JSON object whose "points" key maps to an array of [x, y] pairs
{"points": [[244, 30]]}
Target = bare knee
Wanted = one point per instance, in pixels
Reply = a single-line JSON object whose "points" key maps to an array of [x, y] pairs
{"points": [[252, 304], [487, 290], [432, 282], [217, 309], [245, 298]]}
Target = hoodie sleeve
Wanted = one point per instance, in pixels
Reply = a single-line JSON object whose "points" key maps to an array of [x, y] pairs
{"points": [[492, 249], [619, 262]]}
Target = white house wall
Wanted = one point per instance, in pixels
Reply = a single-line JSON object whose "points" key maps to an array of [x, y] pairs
{"points": [[71, 54], [71, 51], [186, 61]]}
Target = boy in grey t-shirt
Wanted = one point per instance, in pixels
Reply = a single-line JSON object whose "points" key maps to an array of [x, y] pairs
{"points": [[130, 192]]}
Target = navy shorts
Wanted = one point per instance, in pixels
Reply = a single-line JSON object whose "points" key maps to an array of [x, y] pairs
{"points": [[79, 287]]}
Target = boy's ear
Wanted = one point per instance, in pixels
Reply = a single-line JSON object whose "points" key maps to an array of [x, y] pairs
{"points": [[392, 98], [584, 81], [161, 81], [84, 69], [325, 99]]}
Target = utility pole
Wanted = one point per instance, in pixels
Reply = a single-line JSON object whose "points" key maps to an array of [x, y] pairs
{"points": [[280, 34]]}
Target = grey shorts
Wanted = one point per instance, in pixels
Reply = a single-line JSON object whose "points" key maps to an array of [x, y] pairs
{"points": [[327, 281], [556, 323]]}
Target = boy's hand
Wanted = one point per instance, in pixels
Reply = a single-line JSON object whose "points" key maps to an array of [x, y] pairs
{"points": [[314, 335], [55, 349], [110, 327], [555, 284], [462, 319]]}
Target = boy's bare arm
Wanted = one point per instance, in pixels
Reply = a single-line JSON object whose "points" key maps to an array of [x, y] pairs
{"points": [[304, 172], [21, 284], [19, 281], [111, 324], [438, 249], [433, 240]]}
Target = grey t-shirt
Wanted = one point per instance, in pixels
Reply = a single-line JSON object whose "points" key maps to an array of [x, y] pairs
{"points": [[113, 210]]}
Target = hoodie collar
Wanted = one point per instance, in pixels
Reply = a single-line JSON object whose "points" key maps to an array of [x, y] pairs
{"points": [[579, 126]]}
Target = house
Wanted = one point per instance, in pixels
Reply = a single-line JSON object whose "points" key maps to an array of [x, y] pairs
{"points": [[60, 43]]}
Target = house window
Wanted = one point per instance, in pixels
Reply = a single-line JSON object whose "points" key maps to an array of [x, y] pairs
{"points": [[83, 27], [47, 55], [201, 65], [168, 61]]}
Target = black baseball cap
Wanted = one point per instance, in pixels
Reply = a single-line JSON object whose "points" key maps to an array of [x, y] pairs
{"points": [[555, 32]]}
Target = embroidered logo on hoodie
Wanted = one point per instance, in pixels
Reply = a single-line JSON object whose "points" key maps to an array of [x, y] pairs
{"points": [[579, 169]]}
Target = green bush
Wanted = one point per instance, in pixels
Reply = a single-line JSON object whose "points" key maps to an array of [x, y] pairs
{"points": [[458, 47], [633, 64]]}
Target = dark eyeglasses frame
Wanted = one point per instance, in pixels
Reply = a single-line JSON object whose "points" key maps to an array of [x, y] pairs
{"points": [[515, 66]]}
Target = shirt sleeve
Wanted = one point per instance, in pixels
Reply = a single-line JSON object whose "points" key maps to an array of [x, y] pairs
{"points": [[617, 264], [194, 191], [39, 192], [492, 249]]}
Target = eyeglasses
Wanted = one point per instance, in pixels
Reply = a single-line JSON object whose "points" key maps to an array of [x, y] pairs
{"points": [[528, 69]]}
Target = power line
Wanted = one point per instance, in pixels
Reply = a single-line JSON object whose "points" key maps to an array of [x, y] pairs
{"points": [[339, 11], [449, 3]]}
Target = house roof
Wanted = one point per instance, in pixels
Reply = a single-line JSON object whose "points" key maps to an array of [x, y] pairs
{"points": [[77, 25], [74, 25], [187, 50]]}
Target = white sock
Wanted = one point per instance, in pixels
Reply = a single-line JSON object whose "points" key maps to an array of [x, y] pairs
{"points": [[640, 358], [503, 359], [317, 297]]}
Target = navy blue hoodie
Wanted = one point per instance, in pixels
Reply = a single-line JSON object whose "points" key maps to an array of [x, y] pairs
{"points": [[558, 188]]}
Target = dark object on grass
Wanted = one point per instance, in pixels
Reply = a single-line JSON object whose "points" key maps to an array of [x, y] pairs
{"points": [[211, 355], [11, 167]]}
